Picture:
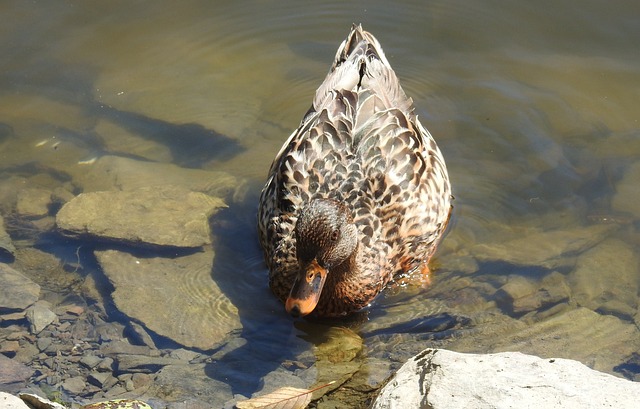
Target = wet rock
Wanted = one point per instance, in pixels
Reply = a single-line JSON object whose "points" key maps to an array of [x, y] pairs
{"points": [[521, 295], [39, 316], [74, 385], [90, 361], [195, 312], [9, 347], [144, 363], [141, 335], [161, 215], [33, 203], [444, 379], [17, 292], [12, 371], [26, 353], [627, 194], [594, 339], [186, 382], [541, 247], [106, 364], [141, 380], [606, 278], [183, 354], [6, 245], [43, 343], [46, 269], [102, 380], [118, 173], [118, 346]]}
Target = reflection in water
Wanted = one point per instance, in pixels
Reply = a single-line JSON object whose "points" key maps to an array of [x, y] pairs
{"points": [[533, 105]]}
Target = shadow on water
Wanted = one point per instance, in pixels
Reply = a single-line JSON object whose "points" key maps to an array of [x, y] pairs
{"points": [[268, 336], [191, 144]]}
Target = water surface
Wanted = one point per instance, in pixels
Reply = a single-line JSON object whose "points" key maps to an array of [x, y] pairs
{"points": [[534, 106]]}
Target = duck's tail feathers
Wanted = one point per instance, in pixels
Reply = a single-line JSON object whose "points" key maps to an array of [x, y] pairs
{"points": [[361, 67], [359, 42]]}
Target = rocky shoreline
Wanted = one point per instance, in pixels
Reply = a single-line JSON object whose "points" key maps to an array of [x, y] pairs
{"points": [[113, 288]]}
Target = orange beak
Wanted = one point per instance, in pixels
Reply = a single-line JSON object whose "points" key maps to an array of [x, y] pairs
{"points": [[306, 290]]}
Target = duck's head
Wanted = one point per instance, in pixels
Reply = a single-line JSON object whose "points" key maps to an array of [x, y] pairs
{"points": [[326, 239]]}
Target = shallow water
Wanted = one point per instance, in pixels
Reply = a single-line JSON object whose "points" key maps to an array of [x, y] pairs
{"points": [[534, 106]]}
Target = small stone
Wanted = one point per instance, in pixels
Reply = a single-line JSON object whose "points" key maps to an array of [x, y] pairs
{"points": [[144, 363], [516, 288], [102, 380], [12, 371], [75, 310], [183, 354], [74, 385], [142, 335], [17, 292], [44, 343], [114, 392], [26, 353], [16, 316], [33, 203], [122, 347], [39, 316], [90, 361], [9, 347], [106, 364], [141, 380], [17, 335]]}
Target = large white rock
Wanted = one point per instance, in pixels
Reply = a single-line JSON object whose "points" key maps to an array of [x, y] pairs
{"points": [[11, 402], [443, 379]]}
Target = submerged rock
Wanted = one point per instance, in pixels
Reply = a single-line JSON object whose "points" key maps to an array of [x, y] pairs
{"points": [[578, 334], [542, 247], [162, 215], [606, 279], [39, 316], [118, 173], [33, 203], [6, 245], [13, 372], [627, 193], [17, 292], [175, 298], [521, 295], [444, 379]]}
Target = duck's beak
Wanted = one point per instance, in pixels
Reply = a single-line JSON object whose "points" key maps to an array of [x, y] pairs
{"points": [[306, 290]]}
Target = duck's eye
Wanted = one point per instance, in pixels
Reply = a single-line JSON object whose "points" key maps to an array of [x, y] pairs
{"points": [[335, 235]]}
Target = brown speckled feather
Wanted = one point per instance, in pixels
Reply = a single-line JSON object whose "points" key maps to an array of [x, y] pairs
{"points": [[360, 144]]}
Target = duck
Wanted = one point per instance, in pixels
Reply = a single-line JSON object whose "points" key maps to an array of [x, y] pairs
{"points": [[358, 195]]}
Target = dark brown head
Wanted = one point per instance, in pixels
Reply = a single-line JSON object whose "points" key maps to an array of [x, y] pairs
{"points": [[325, 239]]}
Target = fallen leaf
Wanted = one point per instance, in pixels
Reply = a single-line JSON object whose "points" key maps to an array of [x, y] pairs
{"points": [[118, 404], [39, 403], [283, 398]]}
